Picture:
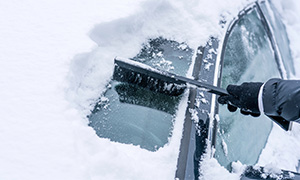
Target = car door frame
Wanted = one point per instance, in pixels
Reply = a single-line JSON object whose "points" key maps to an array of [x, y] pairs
{"points": [[201, 134]]}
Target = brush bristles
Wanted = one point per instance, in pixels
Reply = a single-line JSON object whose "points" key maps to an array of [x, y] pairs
{"points": [[167, 86]]}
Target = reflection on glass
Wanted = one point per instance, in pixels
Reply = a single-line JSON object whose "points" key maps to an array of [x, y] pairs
{"points": [[123, 116], [248, 57], [280, 34], [133, 115]]}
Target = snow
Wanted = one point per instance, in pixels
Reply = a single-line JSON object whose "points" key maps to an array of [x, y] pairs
{"points": [[225, 148], [272, 170], [238, 167], [56, 59], [138, 64], [194, 115], [282, 149], [39, 128], [212, 170]]}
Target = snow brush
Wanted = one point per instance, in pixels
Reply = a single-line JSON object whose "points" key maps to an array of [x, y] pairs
{"points": [[140, 74]]}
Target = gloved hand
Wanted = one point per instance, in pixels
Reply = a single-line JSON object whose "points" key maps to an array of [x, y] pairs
{"points": [[244, 97]]}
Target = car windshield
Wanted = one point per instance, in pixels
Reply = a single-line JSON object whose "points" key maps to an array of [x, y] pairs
{"points": [[133, 115], [248, 57]]}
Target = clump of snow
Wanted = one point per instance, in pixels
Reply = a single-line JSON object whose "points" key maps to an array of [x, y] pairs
{"points": [[194, 115], [207, 66], [197, 102], [238, 167], [208, 56], [183, 47], [159, 54], [204, 101], [165, 64], [212, 51], [210, 169], [201, 94], [291, 175], [225, 148], [272, 171], [217, 117], [104, 101]]}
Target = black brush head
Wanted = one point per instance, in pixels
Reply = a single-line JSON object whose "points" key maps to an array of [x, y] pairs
{"points": [[149, 78], [133, 94]]}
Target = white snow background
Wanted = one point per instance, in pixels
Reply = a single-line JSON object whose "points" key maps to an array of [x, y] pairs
{"points": [[56, 58]]}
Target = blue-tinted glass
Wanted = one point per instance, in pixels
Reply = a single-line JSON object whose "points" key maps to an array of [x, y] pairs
{"points": [[248, 58], [133, 115], [279, 32]]}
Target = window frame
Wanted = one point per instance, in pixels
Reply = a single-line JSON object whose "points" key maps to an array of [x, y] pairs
{"points": [[283, 71], [187, 168]]}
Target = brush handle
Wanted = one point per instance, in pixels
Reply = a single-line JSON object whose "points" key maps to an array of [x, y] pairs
{"points": [[207, 87]]}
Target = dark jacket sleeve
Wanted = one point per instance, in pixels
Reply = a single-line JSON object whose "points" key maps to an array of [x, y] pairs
{"points": [[281, 99]]}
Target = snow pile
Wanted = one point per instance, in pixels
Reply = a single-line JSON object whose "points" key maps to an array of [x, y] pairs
{"points": [[212, 170], [282, 149], [272, 171], [38, 128]]}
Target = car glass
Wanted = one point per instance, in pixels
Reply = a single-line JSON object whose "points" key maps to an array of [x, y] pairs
{"points": [[280, 34], [133, 115], [248, 57]]}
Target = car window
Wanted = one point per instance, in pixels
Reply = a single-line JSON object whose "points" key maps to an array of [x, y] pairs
{"points": [[248, 56], [133, 115], [280, 34]]}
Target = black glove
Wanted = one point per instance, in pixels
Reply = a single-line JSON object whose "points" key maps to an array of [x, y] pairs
{"points": [[244, 97]]}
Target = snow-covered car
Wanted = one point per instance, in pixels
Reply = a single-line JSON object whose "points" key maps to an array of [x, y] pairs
{"points": [[255, 47]]}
